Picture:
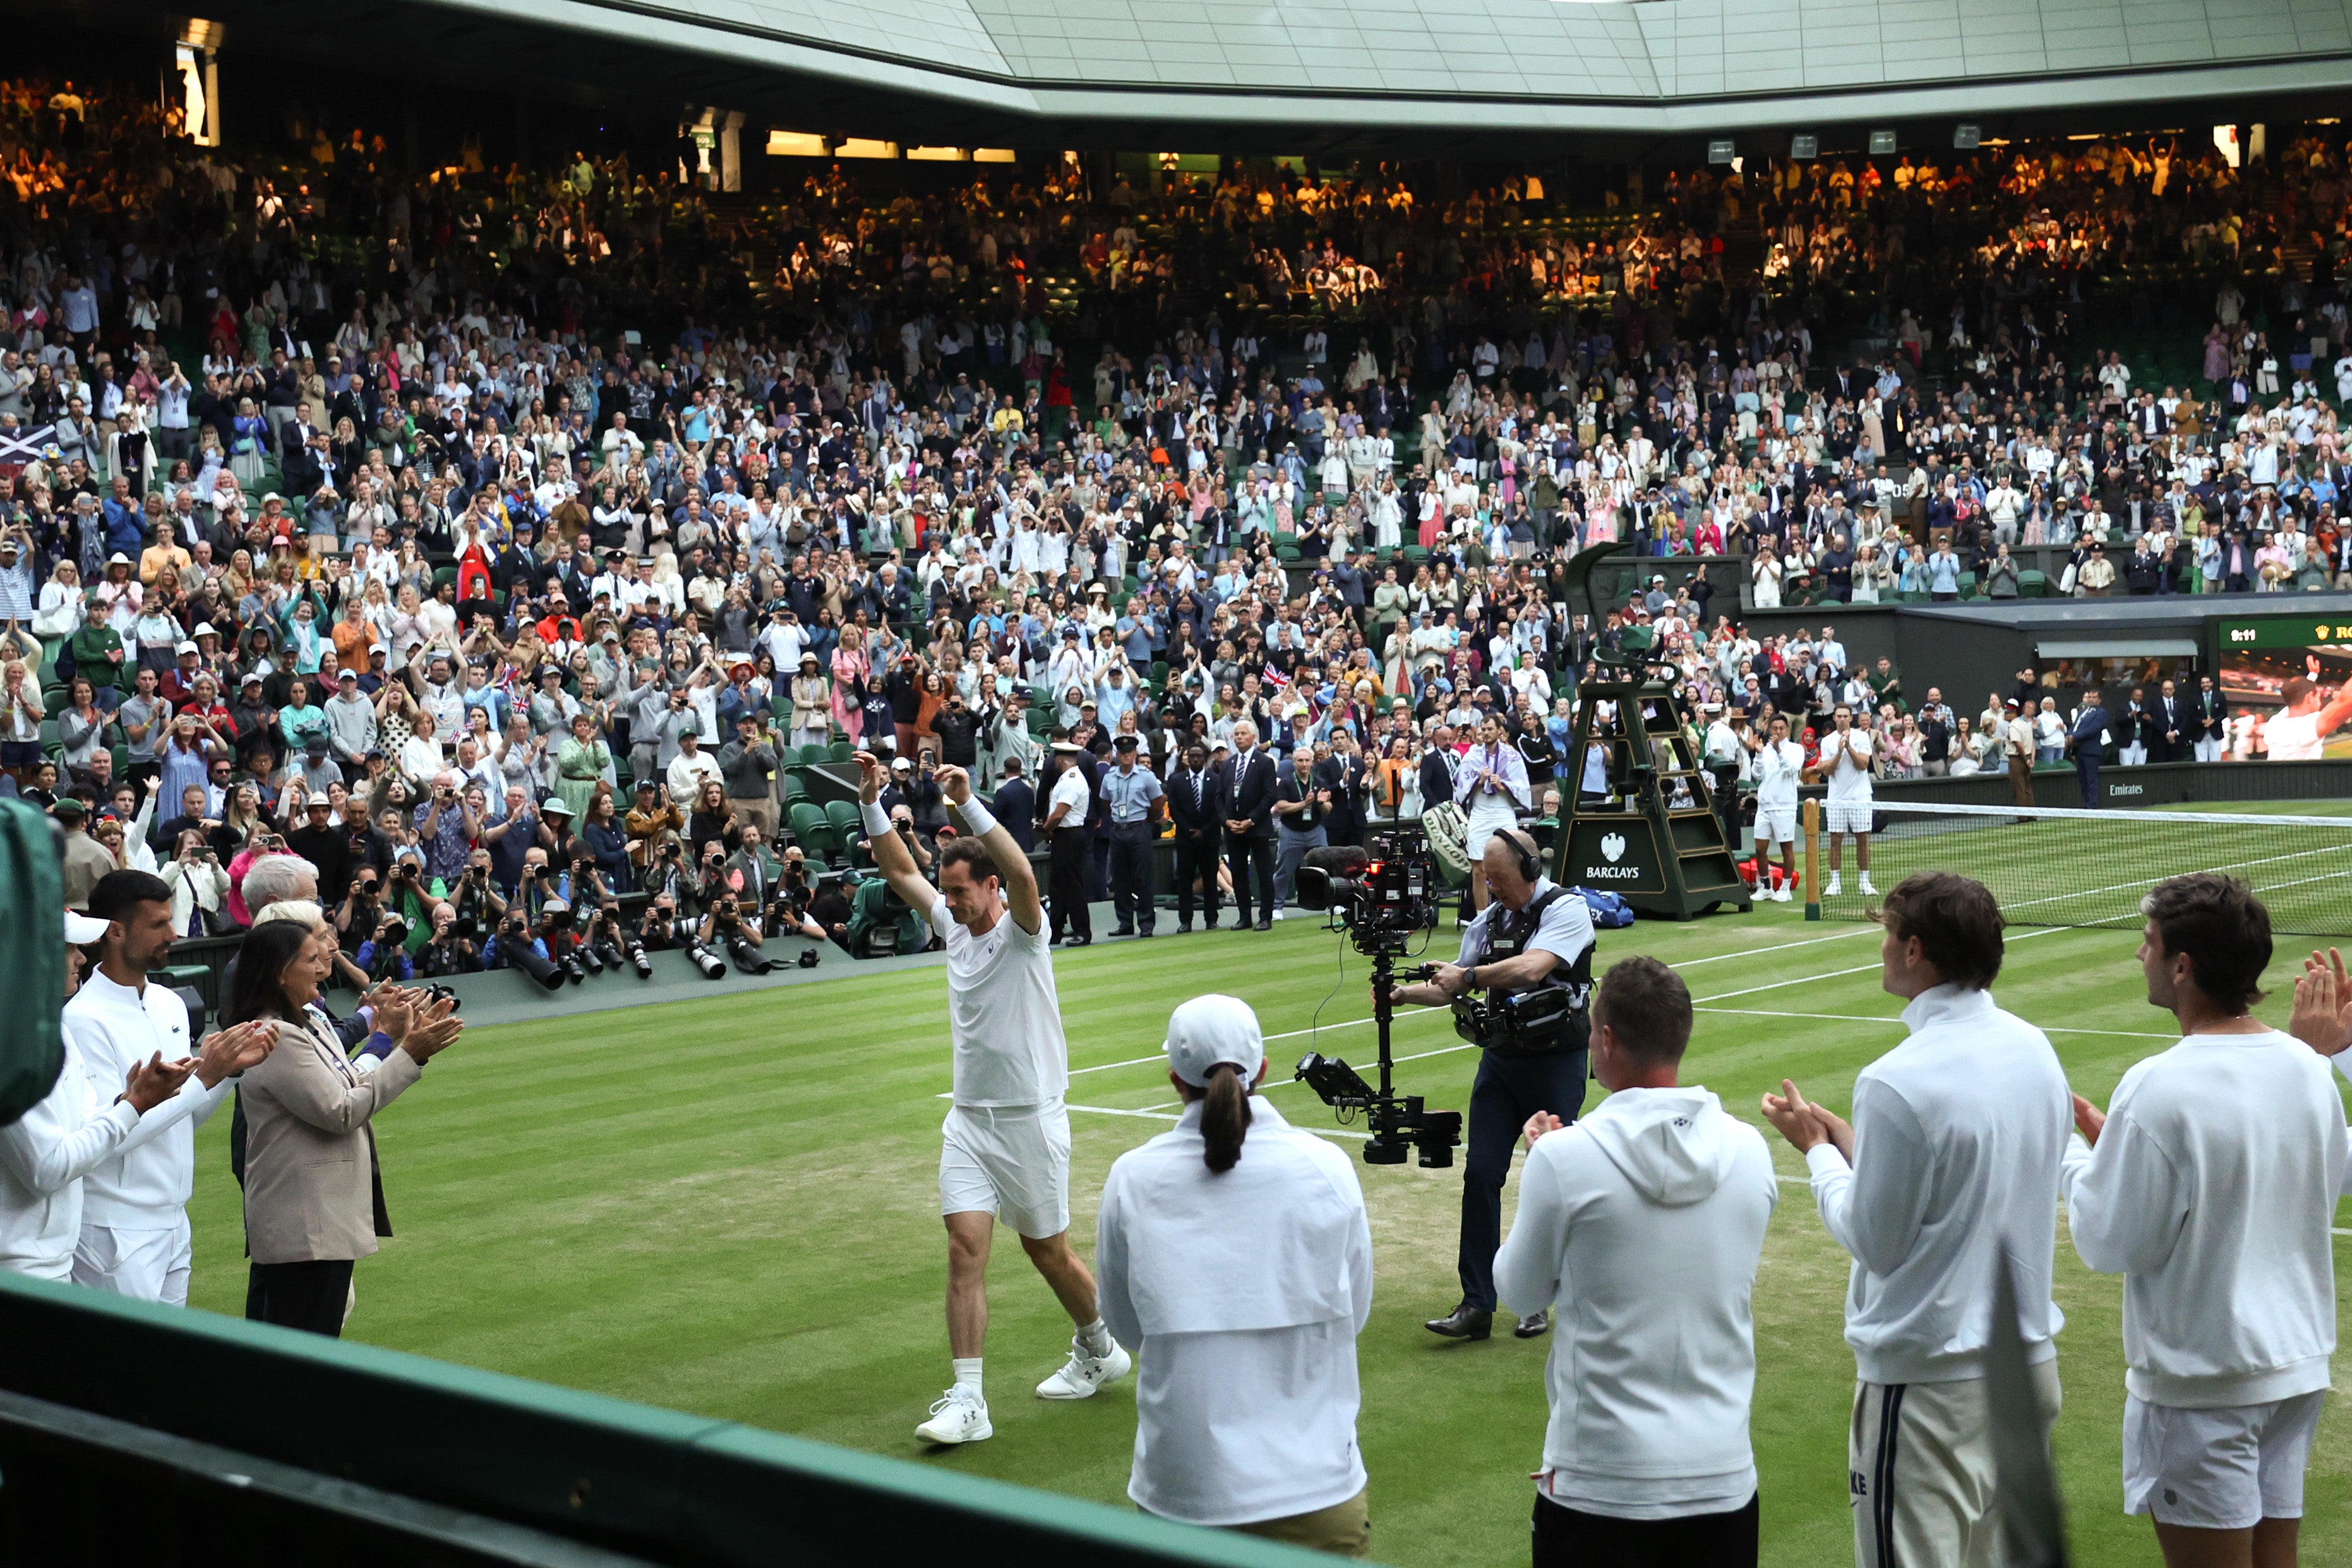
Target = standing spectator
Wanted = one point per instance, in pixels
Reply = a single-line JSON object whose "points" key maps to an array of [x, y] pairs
{"points": [[2210, 1184], [1641, 1227], [314, 1194], [1235, 1254], [1951, 1160]]}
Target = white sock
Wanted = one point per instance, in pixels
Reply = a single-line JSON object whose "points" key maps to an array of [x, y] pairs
{"points": [[966, 1373], [1095, 1338]]}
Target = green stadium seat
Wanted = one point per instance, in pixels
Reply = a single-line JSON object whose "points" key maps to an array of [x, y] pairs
{"points": [[817, 752], [844, 818], [840, 751], [812, 832], [2033, 585]]}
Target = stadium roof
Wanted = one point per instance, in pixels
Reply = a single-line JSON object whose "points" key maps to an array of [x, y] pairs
{"points": [[1407, 76]]}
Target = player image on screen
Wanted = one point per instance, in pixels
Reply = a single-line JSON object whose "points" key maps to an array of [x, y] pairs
{"points": [[2297, 732], [2286, 703], [1005, 1150]]}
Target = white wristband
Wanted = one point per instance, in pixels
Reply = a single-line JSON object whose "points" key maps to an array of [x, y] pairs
{"points": [[877, 820], [975, 817]]}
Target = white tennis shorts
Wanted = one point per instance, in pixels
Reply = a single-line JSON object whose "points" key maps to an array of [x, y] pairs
{"points": [[1486, 821], [1776, 824], [2227, 1468], [1846, 816], [1011, 1161]]}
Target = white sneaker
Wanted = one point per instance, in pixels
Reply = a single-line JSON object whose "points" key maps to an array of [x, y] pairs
{"points": [[1778, 894], [960, 1416], [1831, 889], [1083, 1374], [1278, 915], [1868, 890]]}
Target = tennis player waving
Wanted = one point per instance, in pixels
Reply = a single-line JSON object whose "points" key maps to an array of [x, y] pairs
{"points": [[1005, 1147]]}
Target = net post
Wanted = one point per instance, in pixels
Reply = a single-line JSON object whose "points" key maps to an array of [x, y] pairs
{"points": [[1812, 817]]}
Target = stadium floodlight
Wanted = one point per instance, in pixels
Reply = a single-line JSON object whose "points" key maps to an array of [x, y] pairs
{"points": [[1882, 144], [1967, 138], [1804, 148], [1722, 151]]}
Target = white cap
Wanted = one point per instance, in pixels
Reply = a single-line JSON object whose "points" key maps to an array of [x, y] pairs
{"points": [[1212, 1029], [81, 930]]}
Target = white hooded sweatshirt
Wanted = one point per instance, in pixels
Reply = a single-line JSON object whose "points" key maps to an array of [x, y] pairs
{"points": [[1642, 1226]]}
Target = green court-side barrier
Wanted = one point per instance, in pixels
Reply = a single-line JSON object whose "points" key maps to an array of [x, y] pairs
{"points": [[416, 1444]]}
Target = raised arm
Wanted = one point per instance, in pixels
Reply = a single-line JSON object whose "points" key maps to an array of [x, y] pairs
{"points": [[890, 851], [1012, 866]]}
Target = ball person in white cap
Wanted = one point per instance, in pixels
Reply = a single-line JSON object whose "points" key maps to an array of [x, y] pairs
{"points": [[1233, 1251]]}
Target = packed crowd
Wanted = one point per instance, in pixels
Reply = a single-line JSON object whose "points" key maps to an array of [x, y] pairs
{"points": [[428, 565]]}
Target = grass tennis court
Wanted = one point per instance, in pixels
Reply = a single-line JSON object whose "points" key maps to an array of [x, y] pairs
{"points": [[2071, 868], [730, 1207]]}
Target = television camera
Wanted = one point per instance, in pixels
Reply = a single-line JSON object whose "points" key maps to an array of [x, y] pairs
{"points": [[1381, 898]]}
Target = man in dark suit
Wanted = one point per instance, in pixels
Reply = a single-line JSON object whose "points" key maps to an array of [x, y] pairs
{"points": [[2209, 722], [1197, 803], [2089, 742], [2168, 727], [1017, 807], [2138, 729], [1343, 773], [1437, 767], [1252, 783]]}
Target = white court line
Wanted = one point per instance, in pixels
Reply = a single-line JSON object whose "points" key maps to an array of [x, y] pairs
{"points": [[1288, 1034], [1162, 1115], [1857, 969], [1726, 996], [1393, 1061], [1778, 947], [1859, 1018]]}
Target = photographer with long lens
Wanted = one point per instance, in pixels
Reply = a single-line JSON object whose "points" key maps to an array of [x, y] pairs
{"points": [[475, 903], [727, 927], [1531, 950], [451, 951]]}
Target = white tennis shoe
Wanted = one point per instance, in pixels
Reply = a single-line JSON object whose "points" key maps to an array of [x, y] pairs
{"points": [[1868, 890], [1778, 894], [1831, 889], [1083, 1374], [960, 1416]]}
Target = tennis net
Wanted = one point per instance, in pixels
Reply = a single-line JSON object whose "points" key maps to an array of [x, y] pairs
{"points": [[2057, 867]]}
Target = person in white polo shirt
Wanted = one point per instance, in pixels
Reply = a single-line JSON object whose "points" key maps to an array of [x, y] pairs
{"points": [[134, 1212], [1950, 1161], [1643, 1225], [1845, 763], [2210, 1184], [82, 1122], [1235, 1254], [1777, 763], [1005, 1144]]}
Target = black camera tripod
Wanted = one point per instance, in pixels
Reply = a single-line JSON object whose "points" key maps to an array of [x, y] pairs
{"points": [[1399, 1123]]}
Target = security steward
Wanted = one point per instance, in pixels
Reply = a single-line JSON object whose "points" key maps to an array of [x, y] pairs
{"points": [[1133, 794], [1530, 950]]}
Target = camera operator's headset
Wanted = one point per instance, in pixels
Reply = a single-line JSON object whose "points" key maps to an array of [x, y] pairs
{"points": [[1530, 857]]}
